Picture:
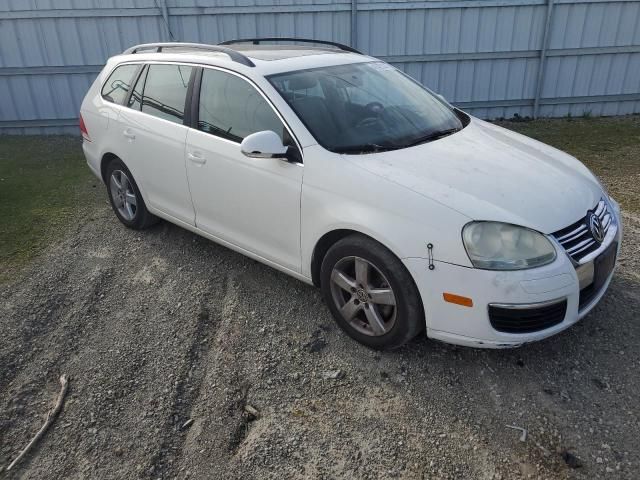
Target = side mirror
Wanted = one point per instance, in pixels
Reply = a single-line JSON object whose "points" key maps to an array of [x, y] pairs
{"points": [[266, 144]]}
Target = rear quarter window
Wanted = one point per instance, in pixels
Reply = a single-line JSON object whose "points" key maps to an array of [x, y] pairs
{"points": [[116, 88]]}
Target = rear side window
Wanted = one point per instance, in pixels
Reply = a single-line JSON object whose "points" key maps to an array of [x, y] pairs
{"points": [[232, 108], [165, 91], [117, 85]]}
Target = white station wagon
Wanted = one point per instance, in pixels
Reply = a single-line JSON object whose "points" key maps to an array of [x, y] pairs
{"points": [[342, 171]]}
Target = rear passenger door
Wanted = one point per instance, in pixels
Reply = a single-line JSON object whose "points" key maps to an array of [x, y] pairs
{"points": [[154, 132], [250, 202]]}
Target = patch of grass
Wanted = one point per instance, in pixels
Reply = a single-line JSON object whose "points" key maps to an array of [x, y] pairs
{"points": [[44, 185], [610, 147]]}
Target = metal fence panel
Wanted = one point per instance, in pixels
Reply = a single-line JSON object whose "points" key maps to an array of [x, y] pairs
{"points": [[483, 55]]}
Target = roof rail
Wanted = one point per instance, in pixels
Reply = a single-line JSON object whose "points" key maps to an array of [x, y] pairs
{"points": [[159, 47], [256, 41]]}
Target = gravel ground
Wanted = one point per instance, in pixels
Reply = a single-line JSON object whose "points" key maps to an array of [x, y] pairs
{"points": [[169, 339]]}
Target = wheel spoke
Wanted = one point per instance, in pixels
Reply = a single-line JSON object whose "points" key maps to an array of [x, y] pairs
{"points": [[115, 185], [350, 309], [375, 322], [131, 199], [382, 296], [362, 271], [129, 210], [124, 181], [343, 280], [127, 207]]}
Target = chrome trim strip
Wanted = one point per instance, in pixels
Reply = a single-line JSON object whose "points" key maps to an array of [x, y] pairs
{"points": [[589, 257], [582, 229], [611, 234], [525, 306], [610, 223], [583, 245], [576, 252]]}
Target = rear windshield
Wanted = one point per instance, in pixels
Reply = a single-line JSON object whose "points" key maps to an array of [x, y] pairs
{"points": [[365, 107]]}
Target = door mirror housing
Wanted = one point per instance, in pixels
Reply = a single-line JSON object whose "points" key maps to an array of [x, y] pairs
{"points": [[266, 144]]}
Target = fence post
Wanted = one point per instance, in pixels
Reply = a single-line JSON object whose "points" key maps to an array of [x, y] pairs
{"points": [[354, 23], [165, 17], [543, 56]]}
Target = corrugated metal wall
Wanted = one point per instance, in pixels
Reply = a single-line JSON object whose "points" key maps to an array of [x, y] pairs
{"points": [[493, 58]]}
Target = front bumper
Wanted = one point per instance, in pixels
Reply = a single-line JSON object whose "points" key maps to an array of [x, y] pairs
{"points": [[471, 326]]}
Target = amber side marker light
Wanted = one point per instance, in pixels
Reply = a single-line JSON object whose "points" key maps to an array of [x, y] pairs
{"points": [[457, 299]]}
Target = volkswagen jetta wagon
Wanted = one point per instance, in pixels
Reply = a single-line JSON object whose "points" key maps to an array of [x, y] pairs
{"points": [[342, 171]]}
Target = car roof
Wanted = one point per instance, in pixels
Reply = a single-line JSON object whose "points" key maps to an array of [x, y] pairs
{"points": [[263, 59]]}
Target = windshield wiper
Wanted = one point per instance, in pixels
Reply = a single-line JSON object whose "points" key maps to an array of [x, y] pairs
{"points": [[432, 136], [366, 148]]}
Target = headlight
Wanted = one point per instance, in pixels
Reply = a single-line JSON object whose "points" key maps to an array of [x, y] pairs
{"points": [[501, 246]]}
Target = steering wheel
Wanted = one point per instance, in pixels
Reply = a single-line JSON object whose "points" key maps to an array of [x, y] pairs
{"points": [[374, 109]]}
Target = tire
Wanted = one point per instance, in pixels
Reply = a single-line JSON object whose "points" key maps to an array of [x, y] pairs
{"points": [[361, 302], [125, 198]]}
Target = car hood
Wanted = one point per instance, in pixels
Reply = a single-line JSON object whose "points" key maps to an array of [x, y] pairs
{"points": [[487, 172]]}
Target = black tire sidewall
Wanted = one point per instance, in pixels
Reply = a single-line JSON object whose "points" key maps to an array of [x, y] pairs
{"points": [[141, 218], [410, 312]]}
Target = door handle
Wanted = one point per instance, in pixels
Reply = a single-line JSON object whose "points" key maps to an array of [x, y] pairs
{"points": [[129, 134], [196, 157]]}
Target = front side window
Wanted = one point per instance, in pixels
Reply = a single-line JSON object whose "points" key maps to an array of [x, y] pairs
{"points": [[365, 107], [232, 108], [116, 88], [165, 91]]}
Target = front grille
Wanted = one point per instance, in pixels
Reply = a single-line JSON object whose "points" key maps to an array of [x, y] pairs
{"points": [[526, 320], [577, 239]]}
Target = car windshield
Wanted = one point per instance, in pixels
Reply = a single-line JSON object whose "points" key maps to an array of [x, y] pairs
{"points": [[365, 107]]}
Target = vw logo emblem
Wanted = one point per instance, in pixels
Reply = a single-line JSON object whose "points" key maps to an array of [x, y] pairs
{"points": [[595, 225]]}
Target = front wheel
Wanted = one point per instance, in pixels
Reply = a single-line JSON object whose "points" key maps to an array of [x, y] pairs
{"points": [[370, 293]]}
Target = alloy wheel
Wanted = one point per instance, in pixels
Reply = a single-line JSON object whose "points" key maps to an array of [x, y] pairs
{"points": [[123, 195], [364, 296]]}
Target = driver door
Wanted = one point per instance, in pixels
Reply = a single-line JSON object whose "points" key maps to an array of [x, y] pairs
{"points": [[250, 202]]}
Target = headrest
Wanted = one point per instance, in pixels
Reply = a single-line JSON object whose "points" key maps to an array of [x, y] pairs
{"points": [[302, 81]]}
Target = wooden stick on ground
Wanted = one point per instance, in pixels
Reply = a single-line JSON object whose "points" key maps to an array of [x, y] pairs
{"points": [[51, 416]]}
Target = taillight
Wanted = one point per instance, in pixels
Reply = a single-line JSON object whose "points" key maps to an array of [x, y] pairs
{"points": [[83, 129]]}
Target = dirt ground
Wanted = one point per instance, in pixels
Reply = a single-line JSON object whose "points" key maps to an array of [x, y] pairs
{"points": [[169, 339]]}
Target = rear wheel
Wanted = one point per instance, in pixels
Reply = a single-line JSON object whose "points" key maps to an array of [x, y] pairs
{"points": [[125, 197], [370, 293]]}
